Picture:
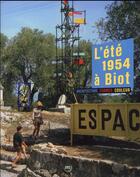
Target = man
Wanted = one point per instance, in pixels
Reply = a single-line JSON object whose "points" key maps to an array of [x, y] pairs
{"points": [[19, 145]]}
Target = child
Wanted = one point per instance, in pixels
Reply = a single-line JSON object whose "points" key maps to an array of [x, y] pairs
{"points": [[19, 145], [37, 119]]}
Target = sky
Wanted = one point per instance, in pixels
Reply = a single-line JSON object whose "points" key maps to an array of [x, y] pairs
{"points": [[45, 15]]}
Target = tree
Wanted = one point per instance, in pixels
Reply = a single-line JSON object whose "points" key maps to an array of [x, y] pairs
{"points": [[6, 77], [122, 22], [85, 46], [28, 57], [31, 51], [3, 43], [3, 40], [84, 72]]}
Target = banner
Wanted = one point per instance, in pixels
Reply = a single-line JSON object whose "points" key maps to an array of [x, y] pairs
{"points": [[122, 120], [24, 92], [79, 21], [113, 64]]}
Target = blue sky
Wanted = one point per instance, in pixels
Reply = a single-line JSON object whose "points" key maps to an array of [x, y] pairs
{"points": [[45, 15]]}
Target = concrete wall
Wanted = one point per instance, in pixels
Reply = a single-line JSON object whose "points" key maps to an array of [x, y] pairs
{"points": [[49, 164]]}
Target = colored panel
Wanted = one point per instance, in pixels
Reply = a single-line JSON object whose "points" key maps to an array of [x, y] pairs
{"points": [[79, 20], [85, 120], [113, 120], [112, 64], [121, 120], [24, 92], [75, 13], [133, 118]]}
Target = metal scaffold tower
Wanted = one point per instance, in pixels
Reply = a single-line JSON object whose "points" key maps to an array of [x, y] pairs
{"points": [[67, 42]]}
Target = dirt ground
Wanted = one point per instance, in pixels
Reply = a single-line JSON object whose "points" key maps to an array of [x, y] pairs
{"points": [[56, 130]]}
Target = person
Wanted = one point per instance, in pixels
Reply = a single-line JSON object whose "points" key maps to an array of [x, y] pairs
{"points": [[19, 145], [37, 119]]}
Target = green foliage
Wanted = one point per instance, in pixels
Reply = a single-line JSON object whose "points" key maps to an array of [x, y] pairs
{"points": [[3, 43], [5, 75], [113, 98], [27, 57], [3, 40], [83, 72], [122, 22], [30, 52]]}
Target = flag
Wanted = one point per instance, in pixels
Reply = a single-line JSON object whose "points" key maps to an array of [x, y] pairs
{"points": [[79, 61], [79, 21], [65, 2], [75, 13]]}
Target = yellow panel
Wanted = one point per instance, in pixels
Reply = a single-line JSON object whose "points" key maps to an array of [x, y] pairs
{"points": [[84, 121], [112, 120], [79, 20], [133, 119], [106, 120]]}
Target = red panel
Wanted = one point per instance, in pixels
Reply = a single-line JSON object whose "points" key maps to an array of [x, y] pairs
{"points": [[75, 13], [65, 2], [79, 61]]}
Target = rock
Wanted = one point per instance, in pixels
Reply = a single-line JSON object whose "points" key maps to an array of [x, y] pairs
{"points": [[54, 150], [8, 147], [66, 166], [28, 173], [4, 173], [59, 150], [50, 145], [62, 150], [117, 168], [2, 135], [37, 165], [6, 165], [6, 157], [55, 175], [64, 175], [8, 117], [53, 171], [43, 173]]}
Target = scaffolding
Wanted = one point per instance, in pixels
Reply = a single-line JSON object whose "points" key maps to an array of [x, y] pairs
{"points": [[67, 42]]}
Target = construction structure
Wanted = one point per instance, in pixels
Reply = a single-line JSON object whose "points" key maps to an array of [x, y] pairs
{"points": [[68, 58]]}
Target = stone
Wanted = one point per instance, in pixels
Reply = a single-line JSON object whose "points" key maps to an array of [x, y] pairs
{"points": [[117, 168], [105, 168], [6, 165], [43, 172], [8, 117], [67, 110], [37, 165], [1, 95], [54, 150], [62, 150], [43, 147], [64, 175], [53, 170], [2, 135], [28, 173], [65, 165], [55, 175], [5, 173], [62, 100], [50, 145]]}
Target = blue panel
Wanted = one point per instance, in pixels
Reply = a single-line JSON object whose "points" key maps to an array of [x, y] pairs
{"points": [[113, 64]]}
